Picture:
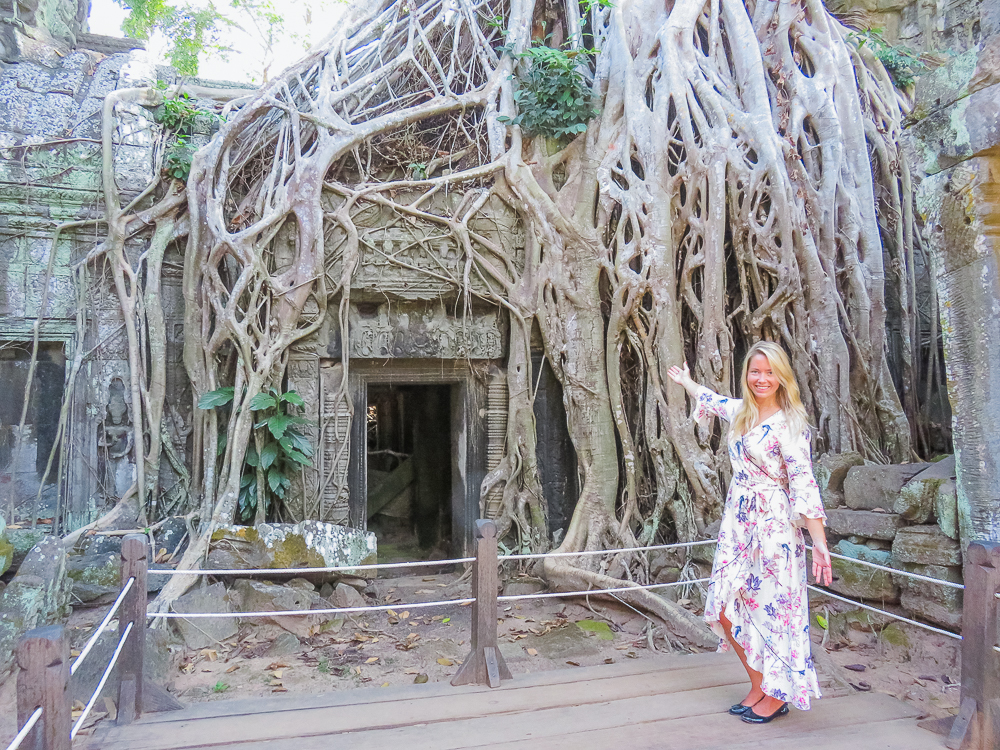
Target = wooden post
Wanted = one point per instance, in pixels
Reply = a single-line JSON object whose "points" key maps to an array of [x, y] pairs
{"points": [[133, 610], [43, 656], [485, 664], [978, 722]]}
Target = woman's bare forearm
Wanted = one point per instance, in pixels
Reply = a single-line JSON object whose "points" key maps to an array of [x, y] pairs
{"points": [[816, 531]]}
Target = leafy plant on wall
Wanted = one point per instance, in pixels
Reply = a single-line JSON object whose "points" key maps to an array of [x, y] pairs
{"points": [[279, 449]]}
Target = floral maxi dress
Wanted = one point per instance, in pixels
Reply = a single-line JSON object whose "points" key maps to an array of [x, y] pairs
{"points": [[759, 573]]}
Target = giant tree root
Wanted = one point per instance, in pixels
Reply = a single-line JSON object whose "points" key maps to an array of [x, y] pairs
{"points": [[683, 624]]}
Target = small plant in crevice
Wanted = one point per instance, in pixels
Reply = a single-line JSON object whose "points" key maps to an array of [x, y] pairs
{"points": [[553, 99], [277, 450], [178, 115], [902, 63]]}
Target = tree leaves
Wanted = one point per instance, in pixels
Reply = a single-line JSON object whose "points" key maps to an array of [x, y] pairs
{"points": [[263, 401], [218, 397], [268, 454], [552, 100]]}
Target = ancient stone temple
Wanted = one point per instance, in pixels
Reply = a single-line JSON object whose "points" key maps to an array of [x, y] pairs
{"points": [[426, 364], [427, 382]]}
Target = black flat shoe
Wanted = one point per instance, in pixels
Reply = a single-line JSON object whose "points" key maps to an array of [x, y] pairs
{"points": [[751, 717], [738, 709]]}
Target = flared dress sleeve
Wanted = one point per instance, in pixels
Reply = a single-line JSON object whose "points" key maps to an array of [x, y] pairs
{"points": [[710, 404], [803, 492]]}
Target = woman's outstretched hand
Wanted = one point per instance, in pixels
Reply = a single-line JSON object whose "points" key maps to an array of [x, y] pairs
{"points": [[822, 565], [681, 376]]}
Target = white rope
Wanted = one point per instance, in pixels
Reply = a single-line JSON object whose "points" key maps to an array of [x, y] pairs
{"points": [[896, 571], [28, 726], [100, 685], [100, 628], [592, 592], [295, 612], [284, 571], [939, 631], [541, 555]]}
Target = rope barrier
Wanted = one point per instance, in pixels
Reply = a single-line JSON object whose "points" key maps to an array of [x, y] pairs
{"points": [[541, 555], [591, 592], [100, 628], [100, 685], [28, 726], [925, 626], [285, 571], [896, 571], [295, 612]]}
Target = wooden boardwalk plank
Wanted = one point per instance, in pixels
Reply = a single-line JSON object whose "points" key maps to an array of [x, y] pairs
{"points": [[416, 708], [673, 703], [684, 721], [368, 696]]}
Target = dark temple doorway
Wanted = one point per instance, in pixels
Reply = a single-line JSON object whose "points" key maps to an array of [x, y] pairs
{"points": [[409, 446]]}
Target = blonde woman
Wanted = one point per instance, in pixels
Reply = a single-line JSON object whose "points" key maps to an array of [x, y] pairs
{"points": [[757, 595]]}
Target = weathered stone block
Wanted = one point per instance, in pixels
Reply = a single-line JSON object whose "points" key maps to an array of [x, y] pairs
{"points": [[925, 545], [258, 596], [933, 611], [47, 561], [916, 500], [23, 541], [946, 509], [94, 576], [21, 604], [863, 523], [6, 549], [205, 632], [347, 596], [310, 544], [830, 471], [860, 581], [946, 597], [877, 485]]}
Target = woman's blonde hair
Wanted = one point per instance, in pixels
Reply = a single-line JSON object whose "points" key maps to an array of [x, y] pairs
{"points": [[788, 392]]}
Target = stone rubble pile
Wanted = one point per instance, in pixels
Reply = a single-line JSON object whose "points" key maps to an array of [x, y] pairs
{"points": [[903, 516]]}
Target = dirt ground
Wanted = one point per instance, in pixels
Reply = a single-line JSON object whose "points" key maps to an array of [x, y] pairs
{"points": [[428, 645]]}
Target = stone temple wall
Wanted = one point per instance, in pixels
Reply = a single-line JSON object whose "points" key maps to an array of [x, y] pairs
{"points": [[953, 142], [50, 178]]}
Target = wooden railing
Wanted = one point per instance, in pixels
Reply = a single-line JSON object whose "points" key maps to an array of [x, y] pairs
{"points": [[977, 725], [43, 653]]}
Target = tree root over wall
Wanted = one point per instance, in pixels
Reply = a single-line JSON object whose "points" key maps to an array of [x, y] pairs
{"points": [[725, 193]]}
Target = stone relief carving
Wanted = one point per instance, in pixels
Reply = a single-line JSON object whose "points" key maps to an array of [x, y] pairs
{"points": [[423, 331], [115, 436]]}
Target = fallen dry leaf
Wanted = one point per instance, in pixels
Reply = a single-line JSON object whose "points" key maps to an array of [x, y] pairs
{"points": [[420, 679], [384, 684], [277, 673], [233, 668], [372, 660], [411, 671], [532, 651], [445, 662]]}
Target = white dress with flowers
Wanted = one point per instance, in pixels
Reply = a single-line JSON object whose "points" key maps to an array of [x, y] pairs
{"points": [[759, 572]]}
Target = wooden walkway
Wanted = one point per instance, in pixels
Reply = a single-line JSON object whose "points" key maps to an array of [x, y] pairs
{"points": [[665, 703]]}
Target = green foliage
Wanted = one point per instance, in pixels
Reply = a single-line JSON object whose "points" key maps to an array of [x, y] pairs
{"points": [[553, 99], [178, 114], [220, 687], [902, 63], [419, 171], [191, 29], [219, 397], [178, 157], [588, 5], [284, 449]]}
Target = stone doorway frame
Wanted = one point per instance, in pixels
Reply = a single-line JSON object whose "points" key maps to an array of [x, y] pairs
{"points": [[468, 435]]}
